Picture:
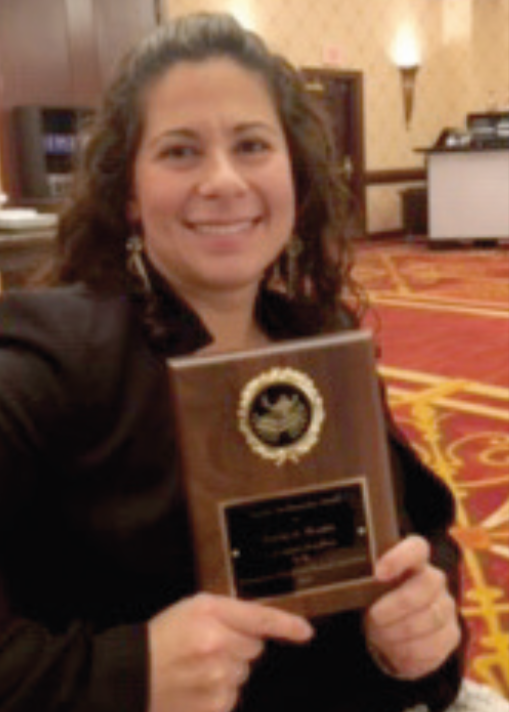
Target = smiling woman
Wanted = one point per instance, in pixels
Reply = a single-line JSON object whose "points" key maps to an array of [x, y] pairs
{"points": [[213, 185], [207, 214]]}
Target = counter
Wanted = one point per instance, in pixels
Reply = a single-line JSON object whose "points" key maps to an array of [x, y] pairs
{"points": [[468, 193]]}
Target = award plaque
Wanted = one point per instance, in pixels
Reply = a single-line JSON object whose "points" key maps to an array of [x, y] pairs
{"points": [[285, 466]]}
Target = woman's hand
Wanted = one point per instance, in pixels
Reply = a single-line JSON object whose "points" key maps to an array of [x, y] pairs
{"points": [[414, 628], [201, 650]]}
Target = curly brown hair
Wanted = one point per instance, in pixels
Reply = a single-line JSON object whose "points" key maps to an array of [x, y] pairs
{"points": [[94, 226]]}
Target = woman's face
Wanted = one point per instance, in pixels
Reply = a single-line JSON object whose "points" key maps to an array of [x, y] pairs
{"points": [[213, 186]]}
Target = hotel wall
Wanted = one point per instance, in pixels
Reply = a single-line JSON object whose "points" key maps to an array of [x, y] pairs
{"points": [[463, 46]]}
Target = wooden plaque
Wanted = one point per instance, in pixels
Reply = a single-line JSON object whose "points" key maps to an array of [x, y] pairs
{"points": [[285, 463]]}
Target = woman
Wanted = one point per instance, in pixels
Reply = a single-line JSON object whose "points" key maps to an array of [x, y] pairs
{"points": [[205, 218]]}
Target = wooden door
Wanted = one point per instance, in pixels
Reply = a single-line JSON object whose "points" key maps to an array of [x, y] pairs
{"points": [[341, 93]]}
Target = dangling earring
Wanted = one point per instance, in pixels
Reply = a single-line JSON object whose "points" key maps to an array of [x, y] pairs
{"points": [[134, 261], [292, 252]]}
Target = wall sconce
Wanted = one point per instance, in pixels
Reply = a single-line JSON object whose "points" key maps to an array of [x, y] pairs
{"points": [[408, 81], [406, 55]]}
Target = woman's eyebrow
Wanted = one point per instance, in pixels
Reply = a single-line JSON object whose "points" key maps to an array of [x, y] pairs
{"points": [[255, 125], [177, 132], [185, 132]]}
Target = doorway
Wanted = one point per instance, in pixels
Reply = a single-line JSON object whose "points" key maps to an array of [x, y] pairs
{"points": [[341, 93]]}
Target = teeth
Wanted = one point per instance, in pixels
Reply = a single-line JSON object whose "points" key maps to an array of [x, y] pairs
{"points": [[229, 229]]}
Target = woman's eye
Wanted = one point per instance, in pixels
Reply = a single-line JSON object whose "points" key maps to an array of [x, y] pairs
{"points": [[179, 152], [253, 145]]}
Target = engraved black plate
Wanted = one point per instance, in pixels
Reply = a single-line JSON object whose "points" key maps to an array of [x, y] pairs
{"points": [[298, 542]]}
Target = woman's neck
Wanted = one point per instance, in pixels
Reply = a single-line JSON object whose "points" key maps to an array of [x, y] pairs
{"points": [[240, 341], [232, 331], [231, 322]]}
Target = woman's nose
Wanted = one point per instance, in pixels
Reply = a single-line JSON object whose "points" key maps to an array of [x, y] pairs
{"points": [[221, 176]]}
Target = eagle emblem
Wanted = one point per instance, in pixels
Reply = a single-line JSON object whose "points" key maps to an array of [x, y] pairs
{"points": [[284, 419], [281, 414]]}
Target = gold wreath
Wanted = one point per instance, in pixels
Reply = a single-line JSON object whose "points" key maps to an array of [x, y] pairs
{"points": [[289, 415]]}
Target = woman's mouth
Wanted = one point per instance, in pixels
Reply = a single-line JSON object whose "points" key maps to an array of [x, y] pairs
{"points": [[226, 229]]}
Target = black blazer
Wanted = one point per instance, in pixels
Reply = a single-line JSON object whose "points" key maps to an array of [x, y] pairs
{"points": [[93, 531]]}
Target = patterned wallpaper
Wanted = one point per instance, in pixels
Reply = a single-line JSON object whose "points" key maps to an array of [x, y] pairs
{"points": [[463, 47]]}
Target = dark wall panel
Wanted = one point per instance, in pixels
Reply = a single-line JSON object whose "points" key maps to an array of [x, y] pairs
{"points": [[34, 52], [84, 58], [60, 53], [115, 37]]}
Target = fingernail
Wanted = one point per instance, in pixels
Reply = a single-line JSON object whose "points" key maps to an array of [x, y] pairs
{"points": [[382, 571], [307, 630]]}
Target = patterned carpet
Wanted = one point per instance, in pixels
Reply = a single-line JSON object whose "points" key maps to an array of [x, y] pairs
{"points": [[442, 321]]}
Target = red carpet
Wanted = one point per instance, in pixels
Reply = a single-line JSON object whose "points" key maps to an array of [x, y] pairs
{"points": [[442, 321]]}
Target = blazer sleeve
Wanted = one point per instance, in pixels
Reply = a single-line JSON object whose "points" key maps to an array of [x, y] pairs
{"points": [[76, 667]]}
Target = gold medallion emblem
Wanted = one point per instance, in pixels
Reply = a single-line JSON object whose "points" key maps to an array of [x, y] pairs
{"points": [[281, 415]]}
